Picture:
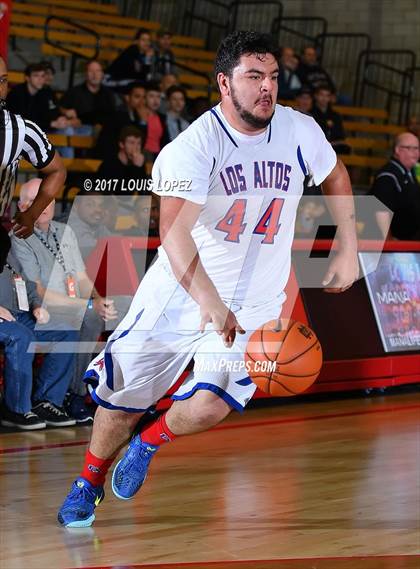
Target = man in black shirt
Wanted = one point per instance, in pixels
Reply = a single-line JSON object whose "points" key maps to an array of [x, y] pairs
{"points": [[107, 143], [35, 101], [127, 165], [91, 102], [135, 63], [311, 73], [397, 188], [164, 59], [330, 121]]}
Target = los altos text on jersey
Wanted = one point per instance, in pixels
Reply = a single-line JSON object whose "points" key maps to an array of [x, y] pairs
{"points": [[267, 174]]}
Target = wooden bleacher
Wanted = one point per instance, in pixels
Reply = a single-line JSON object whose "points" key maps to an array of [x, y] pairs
{"points": [[367, 128], [33, 16]]}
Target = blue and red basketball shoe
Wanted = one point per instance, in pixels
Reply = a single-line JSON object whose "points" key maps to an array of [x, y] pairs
{"points": [[78, 508], [131, 471]]}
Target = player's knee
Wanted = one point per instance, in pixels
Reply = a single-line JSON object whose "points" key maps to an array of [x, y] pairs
{"points": [[209, 409]]}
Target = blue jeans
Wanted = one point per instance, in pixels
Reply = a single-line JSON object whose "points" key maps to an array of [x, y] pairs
{"points": [[56, 370]]}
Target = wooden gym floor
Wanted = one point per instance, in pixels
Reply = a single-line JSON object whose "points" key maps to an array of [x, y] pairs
{"points": [[308, 485]]}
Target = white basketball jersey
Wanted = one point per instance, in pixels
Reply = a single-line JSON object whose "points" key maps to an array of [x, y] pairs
{"points": [[249, 188]]}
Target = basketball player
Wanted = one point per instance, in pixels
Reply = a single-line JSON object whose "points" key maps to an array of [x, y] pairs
{"points": [[229, 185]]}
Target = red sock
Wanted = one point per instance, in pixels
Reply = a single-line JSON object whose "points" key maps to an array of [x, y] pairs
{"points": [[95, 469], [157, 432]]}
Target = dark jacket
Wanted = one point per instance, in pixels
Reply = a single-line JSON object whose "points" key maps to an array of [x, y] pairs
{"points": [[129, 66], [107, 144], [91, 108], [314, 76], [330, 122], [397, 188], [40, 108]]}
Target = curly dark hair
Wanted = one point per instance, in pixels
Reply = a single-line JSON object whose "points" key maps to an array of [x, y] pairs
{"points": [[241, 43]]}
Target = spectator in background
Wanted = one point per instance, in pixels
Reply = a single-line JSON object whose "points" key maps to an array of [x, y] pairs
{"points": [[51, 258], [49, 72], [175, 123], [330, 121], [414, 126], [164, 59], [199, 106], [311, 73], [90, 102], [156, 131], [146, 214], [396, 187], [304, 101], [288, 80], [33, 101], [107, 143], [128, 163], [166, 81], [87, 221], [127, 167], [30, 405], [134, 64]]}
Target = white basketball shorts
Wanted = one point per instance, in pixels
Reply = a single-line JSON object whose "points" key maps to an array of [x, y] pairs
{"points": [[157, 339]]}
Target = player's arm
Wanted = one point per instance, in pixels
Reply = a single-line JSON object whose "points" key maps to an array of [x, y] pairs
{"points": [[383, 219], [177, 219], [344, 268]]}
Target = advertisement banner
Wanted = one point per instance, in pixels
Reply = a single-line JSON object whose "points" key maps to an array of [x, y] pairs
{"points": [[394, 291]]}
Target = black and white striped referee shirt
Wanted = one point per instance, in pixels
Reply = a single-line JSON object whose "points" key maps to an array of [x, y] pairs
{"points": [[19, 138]]}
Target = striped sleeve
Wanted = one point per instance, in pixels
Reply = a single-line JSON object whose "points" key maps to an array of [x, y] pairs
{"points": [[37, 149]]}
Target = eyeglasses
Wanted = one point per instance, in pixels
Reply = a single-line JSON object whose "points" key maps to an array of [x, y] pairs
{"points": [[407, 147]]}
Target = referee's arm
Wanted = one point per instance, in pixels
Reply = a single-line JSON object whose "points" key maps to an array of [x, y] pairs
{"points": [[39, 151]]}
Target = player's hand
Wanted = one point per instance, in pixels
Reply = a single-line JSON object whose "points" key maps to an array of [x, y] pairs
{"points": [[6, 315], [23, 224], [223, 320], [105, 308], [342, 272], [41, 315]]}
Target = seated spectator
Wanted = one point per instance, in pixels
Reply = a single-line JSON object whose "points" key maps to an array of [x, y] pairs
{"points": [[311, 73], [90, 102], [304, 101], [49, 72], [330, 121], [36, 102], [156, 133], [414, 126], [164, 59], [126, 172], [51, 258], [199, 106], [87, 221], [134, 64], [146, 214], [107, 143], [127, 164], [166, 81], [30, 405], [175, 123], [396, 187], [288, 80]]}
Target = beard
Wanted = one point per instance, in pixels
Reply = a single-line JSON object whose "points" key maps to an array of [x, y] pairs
{"points": [[249, 118]]}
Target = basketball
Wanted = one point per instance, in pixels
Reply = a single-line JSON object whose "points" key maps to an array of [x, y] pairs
{"points": [[286, 361]]}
